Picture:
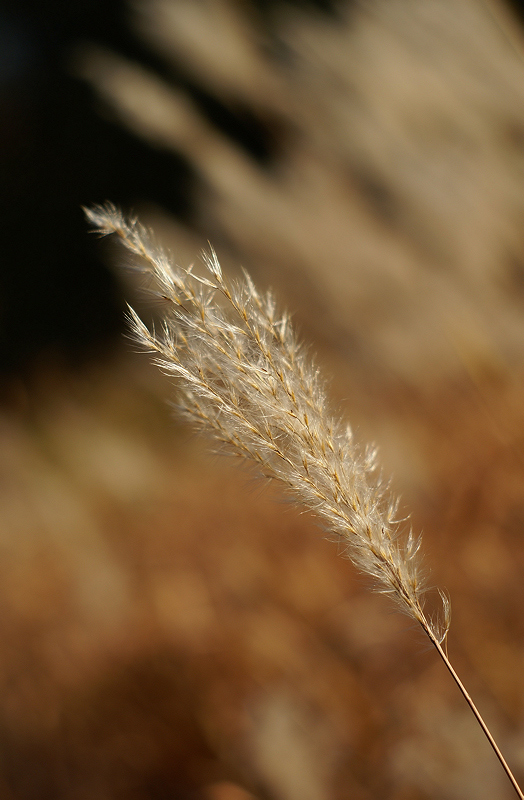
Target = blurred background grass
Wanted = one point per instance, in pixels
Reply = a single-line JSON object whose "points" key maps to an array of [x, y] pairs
{"points": [[169, 628]]}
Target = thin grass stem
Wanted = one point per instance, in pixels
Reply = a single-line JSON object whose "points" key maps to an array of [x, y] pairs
{"points": [[476, 712]]}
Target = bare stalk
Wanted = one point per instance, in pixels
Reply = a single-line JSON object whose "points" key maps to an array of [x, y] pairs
{"points": [[478, 715]]}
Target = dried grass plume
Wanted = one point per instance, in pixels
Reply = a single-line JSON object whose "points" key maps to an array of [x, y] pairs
{"points": [[245, 379]]}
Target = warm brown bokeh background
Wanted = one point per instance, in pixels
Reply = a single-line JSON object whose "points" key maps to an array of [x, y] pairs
{"points": [[171, 629]]}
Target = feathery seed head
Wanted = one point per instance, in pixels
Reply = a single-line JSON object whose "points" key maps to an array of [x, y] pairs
{"points": [[244, 379]]}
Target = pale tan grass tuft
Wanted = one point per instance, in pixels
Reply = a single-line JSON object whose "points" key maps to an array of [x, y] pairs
{"points": [[245, 380]]}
